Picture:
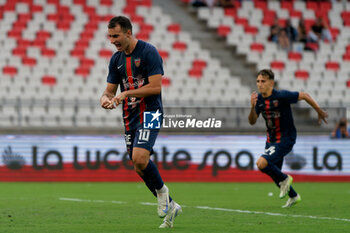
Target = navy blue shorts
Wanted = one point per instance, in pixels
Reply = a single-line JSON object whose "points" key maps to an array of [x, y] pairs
{"points": [[275, 152], [142, 138]]}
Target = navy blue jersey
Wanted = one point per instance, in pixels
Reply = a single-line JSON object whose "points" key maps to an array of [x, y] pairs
{"points": [[278, 116], [132, 72]]}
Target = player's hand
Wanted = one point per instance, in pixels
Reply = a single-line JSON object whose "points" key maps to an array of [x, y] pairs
{"points": [[119, 98], [253, 98], [322, 116], [106, 103]]}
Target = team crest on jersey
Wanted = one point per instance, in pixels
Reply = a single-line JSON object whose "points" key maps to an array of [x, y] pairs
{"points": [[275, 103], [137, 62]]}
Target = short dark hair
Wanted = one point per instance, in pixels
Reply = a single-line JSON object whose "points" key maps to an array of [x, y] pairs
{"points": [[122, 21], [266, 73]]}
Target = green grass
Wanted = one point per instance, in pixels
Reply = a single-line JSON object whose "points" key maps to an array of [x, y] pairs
{"points": [[36, 207]]}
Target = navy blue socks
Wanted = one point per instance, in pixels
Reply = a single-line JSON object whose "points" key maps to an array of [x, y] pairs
{"points": [[152, 178], [277, 176], [274, 172]]}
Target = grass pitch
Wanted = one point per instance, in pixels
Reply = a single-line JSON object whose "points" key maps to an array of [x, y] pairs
{"points": [[207, 207]]}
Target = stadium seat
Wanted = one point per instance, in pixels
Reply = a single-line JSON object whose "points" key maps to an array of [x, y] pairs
{"points": [[9, 70], [223, 30], [195, 73], [295, 56], [277, 65], [174, 28], [257, 47], [48, 80], [178, 45], [301, 74], [332, 65]]}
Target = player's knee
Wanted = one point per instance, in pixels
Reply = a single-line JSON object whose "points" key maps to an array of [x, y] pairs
{"points": [[140, 162], [261, 163]]}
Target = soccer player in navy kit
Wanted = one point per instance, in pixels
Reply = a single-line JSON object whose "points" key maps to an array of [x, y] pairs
{"points": [[274, 105], [137, 68]]}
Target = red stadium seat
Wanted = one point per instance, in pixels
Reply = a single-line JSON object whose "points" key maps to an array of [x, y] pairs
{"points": [[20, 51], [53, 17], [332, 65], [346, 57], [48, 52], [178, 45], [223, 30], [19, 25], [295, 14], [200, 64], [86, 62], [15, 33], [242, 21], [39, 42], [346, 18], [78, 52], [251, 30], [28, 61], [56, 2], [164, 54], [269, 17], [232, 12], [137, 19], [42, 34], [257, 47], [312, 46], [294, 56], [174, 28], [287, 5], [312, 5], [105, 18], [81, 44], [143, 36], [82, 71], [166, 82], [80, 2], [106, 53], [48, 80], [277, 65], [90, 10], [63, 25], [282, 22], [301, 74], [9, 6], [261, 4], [195, 73], [335, 32], [309, 23], [325, 6], [9, 70], [144, 27], [36, 8], [106, 2]]}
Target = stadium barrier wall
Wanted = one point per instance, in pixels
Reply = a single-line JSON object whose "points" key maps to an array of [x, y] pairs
{"points": [[229, 158]]}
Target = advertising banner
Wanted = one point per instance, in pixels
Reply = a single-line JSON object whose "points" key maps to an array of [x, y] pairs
{"points": [[228, 158]]}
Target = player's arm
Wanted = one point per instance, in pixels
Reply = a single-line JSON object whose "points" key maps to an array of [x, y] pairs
{"points": [[154, 87], [322, 115], [253, 116], [108, 95]]}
